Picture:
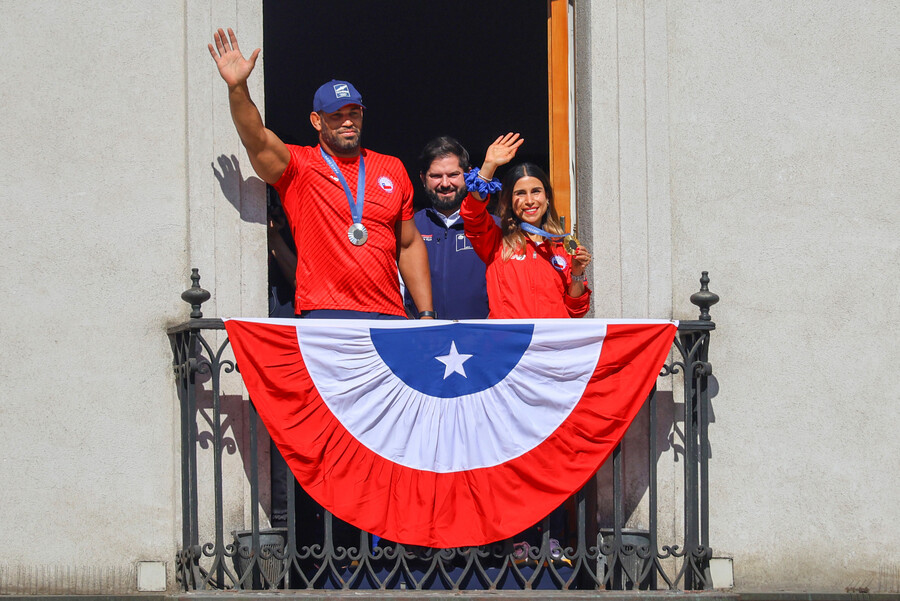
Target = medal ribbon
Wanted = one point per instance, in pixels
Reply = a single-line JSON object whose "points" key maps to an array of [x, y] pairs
{"points": [[536, 230], [356, 208]]}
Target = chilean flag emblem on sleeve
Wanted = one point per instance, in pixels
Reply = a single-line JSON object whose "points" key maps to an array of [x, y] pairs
{"points": [[447, 434]]}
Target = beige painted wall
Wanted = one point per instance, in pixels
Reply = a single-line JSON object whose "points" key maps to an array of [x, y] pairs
{"points": [[755, 140], [112, 121], [759, 141]]}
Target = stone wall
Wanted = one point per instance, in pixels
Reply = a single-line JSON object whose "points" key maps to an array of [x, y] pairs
{"points": [[754, 140], [114, 122], [759, 141]]}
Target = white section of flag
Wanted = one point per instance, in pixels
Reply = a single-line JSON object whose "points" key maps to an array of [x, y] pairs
{"points": [[448, 435]]}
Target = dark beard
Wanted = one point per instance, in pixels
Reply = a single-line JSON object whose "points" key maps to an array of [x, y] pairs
{"points": [[338, 144], [446, 205]]}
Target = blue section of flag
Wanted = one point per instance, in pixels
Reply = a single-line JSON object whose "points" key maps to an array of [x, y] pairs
{"points": [[411, 354]]}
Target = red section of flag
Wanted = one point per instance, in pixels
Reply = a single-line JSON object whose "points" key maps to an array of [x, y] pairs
{"points": [[472, 507]]}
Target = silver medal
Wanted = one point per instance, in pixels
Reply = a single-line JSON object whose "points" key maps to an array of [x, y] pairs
{"points": [[357, 234]]}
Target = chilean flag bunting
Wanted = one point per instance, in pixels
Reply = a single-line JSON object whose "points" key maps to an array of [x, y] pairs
{"points": [[447, 434]]}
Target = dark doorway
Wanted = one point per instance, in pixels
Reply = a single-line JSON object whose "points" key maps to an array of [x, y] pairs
{"points": [[472, 70]]}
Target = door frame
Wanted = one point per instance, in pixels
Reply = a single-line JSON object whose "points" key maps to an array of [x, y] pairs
{"points": [[560, 72]]}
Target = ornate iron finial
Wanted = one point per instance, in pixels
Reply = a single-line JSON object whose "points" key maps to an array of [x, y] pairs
{"points": [[196, 296], [704, 299]]}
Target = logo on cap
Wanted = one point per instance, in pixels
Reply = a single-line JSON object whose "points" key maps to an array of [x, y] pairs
{"points": [[333, 95]]}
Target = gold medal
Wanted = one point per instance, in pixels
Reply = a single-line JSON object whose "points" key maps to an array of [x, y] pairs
{"points": [[571, 244]]}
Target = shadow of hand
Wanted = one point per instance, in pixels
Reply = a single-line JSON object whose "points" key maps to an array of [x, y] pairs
{"points": [[231, 181]]}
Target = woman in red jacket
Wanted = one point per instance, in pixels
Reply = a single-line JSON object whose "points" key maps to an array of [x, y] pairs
{"points": [[529, 271]]}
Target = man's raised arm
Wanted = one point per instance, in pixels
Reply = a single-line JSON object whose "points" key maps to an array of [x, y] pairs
{"points": [[268, 154]]}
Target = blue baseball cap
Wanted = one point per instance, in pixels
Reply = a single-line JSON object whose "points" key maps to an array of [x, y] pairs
{"points": [[334, 95]]}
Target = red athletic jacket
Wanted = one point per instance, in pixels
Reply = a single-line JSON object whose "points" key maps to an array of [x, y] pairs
{"points": [[528, 285]]}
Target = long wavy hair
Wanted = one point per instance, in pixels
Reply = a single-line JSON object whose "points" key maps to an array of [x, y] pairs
{"points": [[510, 225]]}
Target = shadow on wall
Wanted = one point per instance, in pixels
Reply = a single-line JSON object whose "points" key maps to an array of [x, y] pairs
{"points": [[636, 458], [246, 195], [235, 441]]}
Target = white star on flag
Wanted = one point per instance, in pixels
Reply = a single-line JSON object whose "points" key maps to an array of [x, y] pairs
{"points": [[454, 362]]}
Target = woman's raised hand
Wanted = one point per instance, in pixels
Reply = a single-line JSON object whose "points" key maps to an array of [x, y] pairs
{"points": [[233, 67], [502, 151], [580, 260]]}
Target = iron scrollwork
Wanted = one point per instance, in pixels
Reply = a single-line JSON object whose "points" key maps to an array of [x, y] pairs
{"points": [[593, 556]]}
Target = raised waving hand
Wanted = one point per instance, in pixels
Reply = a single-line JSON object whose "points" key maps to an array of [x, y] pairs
{"points": [[267, 153], [233, 67], [499, 153]]}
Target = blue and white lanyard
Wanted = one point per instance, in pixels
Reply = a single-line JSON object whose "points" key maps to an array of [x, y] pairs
{"points": [[356, 208], [536, 230]]}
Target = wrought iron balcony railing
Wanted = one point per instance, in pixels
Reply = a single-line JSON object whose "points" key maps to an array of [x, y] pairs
{"points": [[613, 537]]}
